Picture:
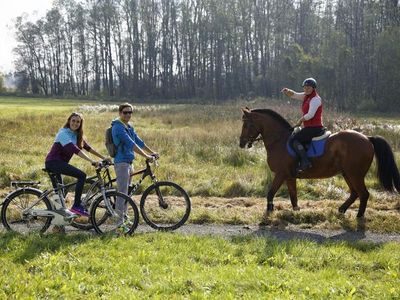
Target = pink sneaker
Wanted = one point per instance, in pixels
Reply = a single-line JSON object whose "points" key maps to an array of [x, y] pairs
{"points": [[80, 210]]}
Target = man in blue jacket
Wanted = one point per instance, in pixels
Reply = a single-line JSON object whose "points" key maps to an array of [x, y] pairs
{"points": [[128, 143]]}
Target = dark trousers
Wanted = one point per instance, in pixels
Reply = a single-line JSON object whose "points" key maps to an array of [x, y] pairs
{"points": [[306, 134], [61, 167]]}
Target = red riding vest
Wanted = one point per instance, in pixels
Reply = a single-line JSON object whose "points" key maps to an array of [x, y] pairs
{"points": [[315, 121]]}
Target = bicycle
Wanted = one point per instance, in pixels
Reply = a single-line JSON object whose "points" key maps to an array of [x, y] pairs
{"points": [[164, 205], [29, 209]]}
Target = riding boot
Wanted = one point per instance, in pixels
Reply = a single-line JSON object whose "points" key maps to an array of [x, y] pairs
{"points": [[302, 155]]}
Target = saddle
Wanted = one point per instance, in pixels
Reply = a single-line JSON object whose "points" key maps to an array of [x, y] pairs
{"points": [[315, 148]]}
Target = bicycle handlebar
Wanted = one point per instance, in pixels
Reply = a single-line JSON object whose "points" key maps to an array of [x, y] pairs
{"points": [[153, 159], [104, 164]]}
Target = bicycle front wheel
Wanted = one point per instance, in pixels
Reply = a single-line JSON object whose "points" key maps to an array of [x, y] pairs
{"points": [[165, 206], [114, 213], [16, 213]]}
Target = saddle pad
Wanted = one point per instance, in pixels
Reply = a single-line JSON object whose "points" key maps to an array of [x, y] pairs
{"points": [[315, 148]]}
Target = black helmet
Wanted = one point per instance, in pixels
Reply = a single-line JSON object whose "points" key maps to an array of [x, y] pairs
{"points": [[310, 82]]}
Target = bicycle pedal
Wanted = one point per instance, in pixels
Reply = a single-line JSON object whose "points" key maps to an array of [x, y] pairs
{"points": [[66, 214], [71, 217]]}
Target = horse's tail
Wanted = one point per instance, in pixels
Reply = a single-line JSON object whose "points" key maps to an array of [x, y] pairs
{"points": [[388, 173]]}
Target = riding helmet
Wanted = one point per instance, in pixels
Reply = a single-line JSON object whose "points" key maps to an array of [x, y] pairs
{"points": [[310, 82]]}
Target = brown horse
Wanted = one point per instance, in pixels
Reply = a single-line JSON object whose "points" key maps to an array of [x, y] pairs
{"points": [[347, 152]]}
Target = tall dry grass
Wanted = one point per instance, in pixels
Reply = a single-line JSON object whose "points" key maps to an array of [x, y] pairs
{"points": [[198, 144]]}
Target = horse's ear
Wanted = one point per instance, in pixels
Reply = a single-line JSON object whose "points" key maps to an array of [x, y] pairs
{"points": [[246, 110]]}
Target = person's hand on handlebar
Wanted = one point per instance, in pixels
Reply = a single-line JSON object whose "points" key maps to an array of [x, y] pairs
{"points": [[96, 164], [150, 158], [108, 160]]}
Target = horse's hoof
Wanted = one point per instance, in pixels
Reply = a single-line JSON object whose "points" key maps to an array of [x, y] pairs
{"points": [[342, 211], [296, 208], [270, 207], [361, 224]]}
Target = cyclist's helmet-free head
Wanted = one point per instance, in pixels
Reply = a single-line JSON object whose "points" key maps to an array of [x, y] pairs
{"points": [[310, 82]]}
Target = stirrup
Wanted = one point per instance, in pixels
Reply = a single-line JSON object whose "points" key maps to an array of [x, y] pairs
{"points": [[301, 169]]}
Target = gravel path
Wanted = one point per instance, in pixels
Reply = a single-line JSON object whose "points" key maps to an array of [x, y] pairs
{"points": [[315, 235], [288, 234]]}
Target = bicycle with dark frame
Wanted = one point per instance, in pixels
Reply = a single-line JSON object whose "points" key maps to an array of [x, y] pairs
{"points": [[164, 205], [29, 209]]}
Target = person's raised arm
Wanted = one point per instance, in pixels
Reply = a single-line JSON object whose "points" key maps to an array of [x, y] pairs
{"points": [[292, 94]]}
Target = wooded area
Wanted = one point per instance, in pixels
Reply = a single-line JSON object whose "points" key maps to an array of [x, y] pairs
{"points": [[214, 49]]}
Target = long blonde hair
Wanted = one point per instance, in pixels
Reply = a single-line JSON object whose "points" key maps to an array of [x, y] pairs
{"points": [[80, 129]]}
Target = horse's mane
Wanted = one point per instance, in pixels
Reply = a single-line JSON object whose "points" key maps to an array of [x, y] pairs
{"points": [[275, 115]]}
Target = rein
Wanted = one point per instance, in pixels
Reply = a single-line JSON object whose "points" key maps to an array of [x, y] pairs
{"points": [[252, 140]]}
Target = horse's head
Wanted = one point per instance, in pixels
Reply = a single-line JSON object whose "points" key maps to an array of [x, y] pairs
{"points": [[250, 131]]}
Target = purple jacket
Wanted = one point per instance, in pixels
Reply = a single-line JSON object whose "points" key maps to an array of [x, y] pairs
{"points": [[64, 146]]}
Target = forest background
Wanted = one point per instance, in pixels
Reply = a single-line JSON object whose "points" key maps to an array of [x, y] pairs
{"points": [[212, 50]]}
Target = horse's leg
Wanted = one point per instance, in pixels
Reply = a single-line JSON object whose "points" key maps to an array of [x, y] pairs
{"points": [[291, 184], [364, 195], [357, 182], [353, 196], [276, 184]]}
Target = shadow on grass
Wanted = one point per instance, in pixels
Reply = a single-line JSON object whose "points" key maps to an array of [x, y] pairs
{"points": [[352, 239], [27, 247]]}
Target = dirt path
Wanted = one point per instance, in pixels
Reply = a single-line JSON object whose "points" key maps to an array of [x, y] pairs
{"points": [[286, 234]]}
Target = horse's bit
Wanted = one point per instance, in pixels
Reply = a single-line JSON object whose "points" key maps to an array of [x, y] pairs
{"points": [[251, 139]]}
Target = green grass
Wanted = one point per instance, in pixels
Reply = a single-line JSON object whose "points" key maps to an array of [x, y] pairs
{"points": [[173, 266]]}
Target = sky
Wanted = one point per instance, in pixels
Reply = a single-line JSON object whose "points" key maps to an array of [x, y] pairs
{"points": [[10, 9]]}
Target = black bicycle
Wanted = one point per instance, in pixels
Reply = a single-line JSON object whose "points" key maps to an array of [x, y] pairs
{"points": [[164, 205]]}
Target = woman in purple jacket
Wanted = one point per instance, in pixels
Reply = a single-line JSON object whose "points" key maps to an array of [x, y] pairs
{"points": [[69, 141]]}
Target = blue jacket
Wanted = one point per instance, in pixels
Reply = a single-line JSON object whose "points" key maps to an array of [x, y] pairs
{"points": [[124, 137]]}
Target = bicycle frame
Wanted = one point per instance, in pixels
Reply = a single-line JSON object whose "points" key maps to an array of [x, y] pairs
{"points": [[57, 211], [145, 173]]}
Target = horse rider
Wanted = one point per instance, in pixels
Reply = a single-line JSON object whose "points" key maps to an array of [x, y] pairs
{"points": [[311, 119]]}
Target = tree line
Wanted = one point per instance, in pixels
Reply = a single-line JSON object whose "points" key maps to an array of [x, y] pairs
{"points": [[213, 49]]}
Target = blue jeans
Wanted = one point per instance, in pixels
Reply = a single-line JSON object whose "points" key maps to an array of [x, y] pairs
{"points": [[61, 167]]}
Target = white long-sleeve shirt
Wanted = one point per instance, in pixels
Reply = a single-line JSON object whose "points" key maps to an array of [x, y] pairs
{"points": [[314, 104]]}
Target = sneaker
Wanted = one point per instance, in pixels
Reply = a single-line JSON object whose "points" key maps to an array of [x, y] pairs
{"points": [[66, 213], [80, 210], [123, 229], [125, 226]]}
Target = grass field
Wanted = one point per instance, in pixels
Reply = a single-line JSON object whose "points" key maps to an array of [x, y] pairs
{"points": [[171, 266], [199, 150]]}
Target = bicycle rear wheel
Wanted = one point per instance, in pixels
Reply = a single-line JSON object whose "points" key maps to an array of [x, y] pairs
{"points": [[165, 206], [105, 221], [16, 216]]}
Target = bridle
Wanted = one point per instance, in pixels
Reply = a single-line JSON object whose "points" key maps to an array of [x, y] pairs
{"points": [[251, 139]]}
